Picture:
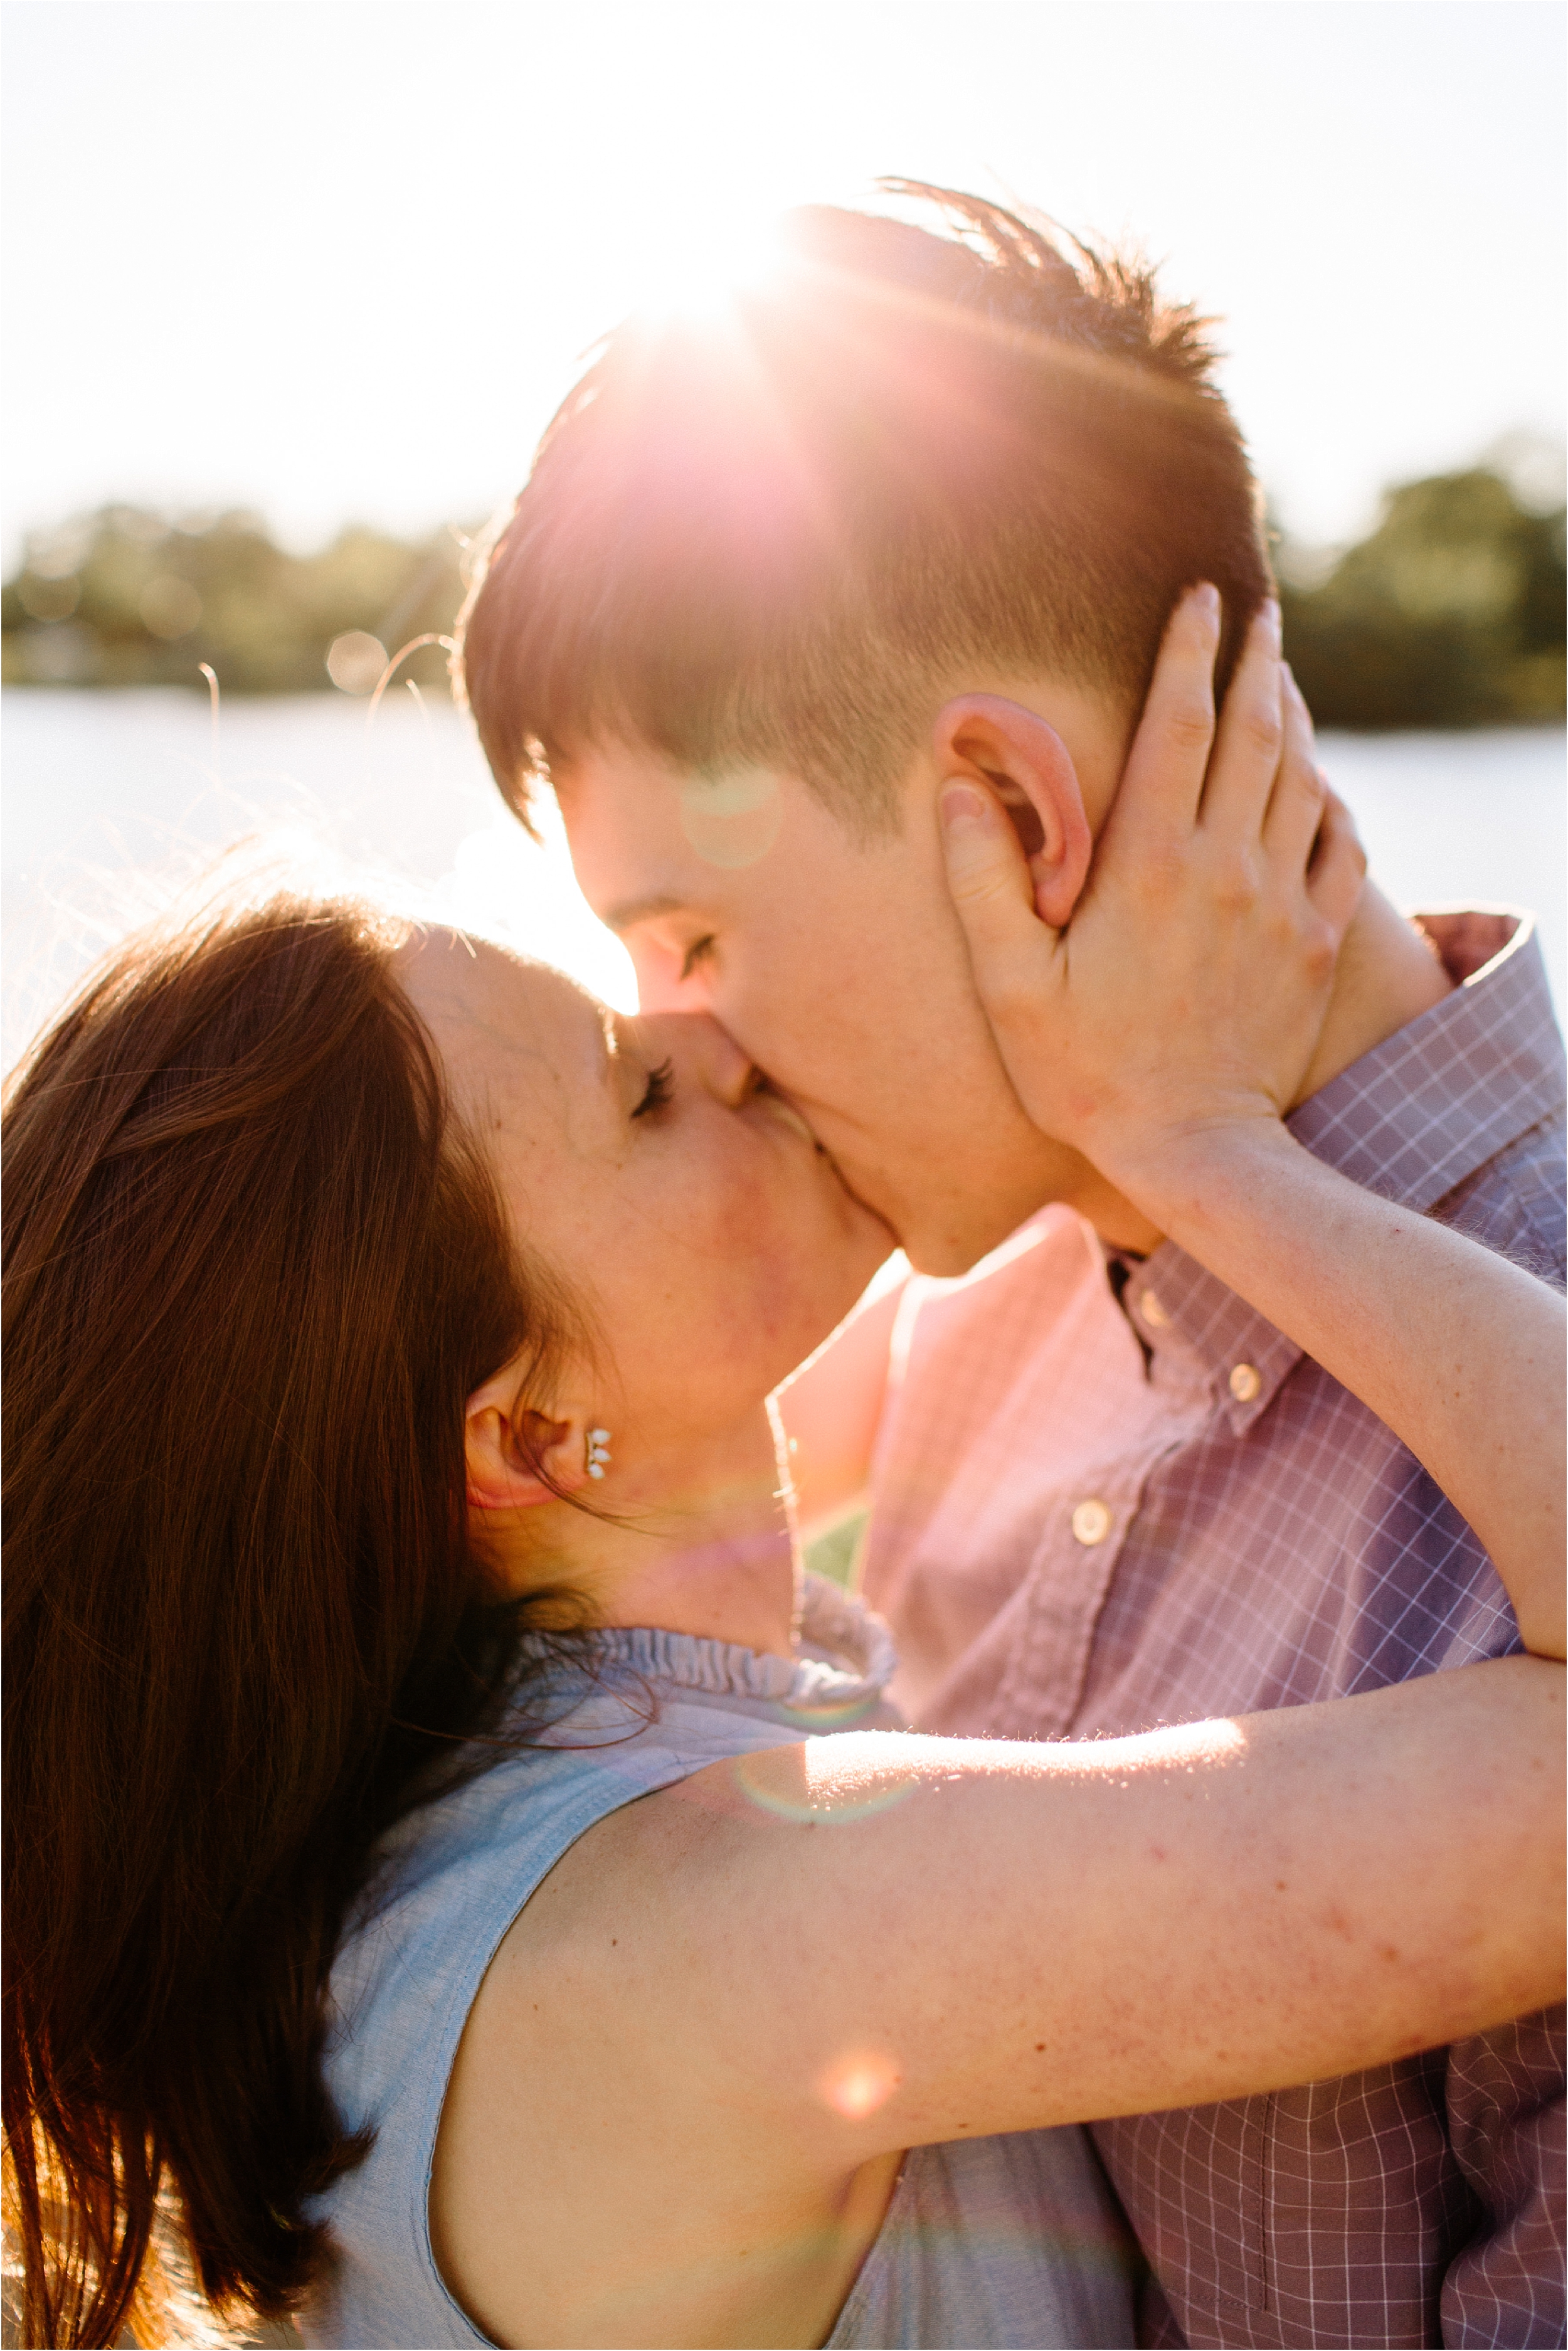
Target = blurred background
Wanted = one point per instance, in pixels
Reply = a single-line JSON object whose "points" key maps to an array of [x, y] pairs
{"points": [[293, 289]]}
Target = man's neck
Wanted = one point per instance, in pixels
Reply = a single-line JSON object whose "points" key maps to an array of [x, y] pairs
{"points": [[1388, 973]]}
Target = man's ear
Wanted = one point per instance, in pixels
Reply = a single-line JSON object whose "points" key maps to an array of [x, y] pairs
{"points": [[1028, 766], [516, 1456]]}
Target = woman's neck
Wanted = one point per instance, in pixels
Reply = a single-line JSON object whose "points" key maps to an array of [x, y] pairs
{"points": [[699, 1544]]}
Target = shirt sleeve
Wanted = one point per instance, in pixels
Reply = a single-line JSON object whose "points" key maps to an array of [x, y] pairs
{"points": [[1507, 2127]]}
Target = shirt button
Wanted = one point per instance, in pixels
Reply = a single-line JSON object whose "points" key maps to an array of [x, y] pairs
{"points": [[1153, 1311], [1245, 1380], [1090, 1523]]}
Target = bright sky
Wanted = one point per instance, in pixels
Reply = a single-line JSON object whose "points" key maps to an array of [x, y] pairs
{"points": [[339, 260]]}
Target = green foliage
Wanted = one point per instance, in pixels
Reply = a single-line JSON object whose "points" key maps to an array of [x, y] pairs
{"points": [[1452, 614], [836, 1553], [126, 598]]}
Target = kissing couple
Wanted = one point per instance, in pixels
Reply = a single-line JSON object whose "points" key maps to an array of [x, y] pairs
{"points": [[465, 1885]]}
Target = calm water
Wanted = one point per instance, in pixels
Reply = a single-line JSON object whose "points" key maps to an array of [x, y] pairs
{"points": [[109, 798]]}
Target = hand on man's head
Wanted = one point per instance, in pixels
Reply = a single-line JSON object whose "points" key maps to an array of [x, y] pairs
{"points": [[1189, 985]]}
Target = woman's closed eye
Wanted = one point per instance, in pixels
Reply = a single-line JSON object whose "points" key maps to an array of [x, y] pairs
{"points": [[700, 951], [660, 1087]]}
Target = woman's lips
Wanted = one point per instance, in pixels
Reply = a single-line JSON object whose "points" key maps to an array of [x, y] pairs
{"points": [[791, 1116]]}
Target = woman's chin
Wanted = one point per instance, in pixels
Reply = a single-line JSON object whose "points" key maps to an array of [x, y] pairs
{"points": [[875, 1244]]}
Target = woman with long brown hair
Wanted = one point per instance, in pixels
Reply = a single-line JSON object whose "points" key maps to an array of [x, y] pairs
{"points": [[447, 1861]]}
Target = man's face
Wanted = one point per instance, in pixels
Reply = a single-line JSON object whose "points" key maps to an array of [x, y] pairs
{"points": [[839, 967]]}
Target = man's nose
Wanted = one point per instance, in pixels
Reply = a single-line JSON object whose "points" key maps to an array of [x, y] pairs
{"points": [[660, 987]]}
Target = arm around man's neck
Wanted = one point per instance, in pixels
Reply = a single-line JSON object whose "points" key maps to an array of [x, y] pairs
{"points": [[1389, 972], [1459, 1352]]}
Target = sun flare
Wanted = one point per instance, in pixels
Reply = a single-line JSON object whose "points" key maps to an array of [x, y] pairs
{"points": [[698, 266]]}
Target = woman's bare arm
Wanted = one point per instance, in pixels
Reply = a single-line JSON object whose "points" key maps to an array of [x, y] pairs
{"points": [[873, 1940], [1459, 1352]]}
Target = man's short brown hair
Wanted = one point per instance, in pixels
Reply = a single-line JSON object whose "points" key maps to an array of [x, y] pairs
{"points": [[784, 539]]}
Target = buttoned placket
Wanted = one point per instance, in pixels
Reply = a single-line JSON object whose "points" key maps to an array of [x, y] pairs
{"points": [[1041, 1689]]}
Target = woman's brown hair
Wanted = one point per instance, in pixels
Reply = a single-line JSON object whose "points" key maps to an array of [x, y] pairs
{"points": [[252, 1270]]}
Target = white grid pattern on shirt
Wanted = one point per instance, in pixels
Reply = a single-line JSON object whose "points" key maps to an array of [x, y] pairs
{"points": [[1278, 1551]]}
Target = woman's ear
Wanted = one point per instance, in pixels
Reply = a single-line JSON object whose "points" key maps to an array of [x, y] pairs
{"points": [[517, 1457], [1028, 766]]}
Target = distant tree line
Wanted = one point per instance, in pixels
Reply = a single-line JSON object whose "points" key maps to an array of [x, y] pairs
{"points": [[127, 598], [1451, 614]]}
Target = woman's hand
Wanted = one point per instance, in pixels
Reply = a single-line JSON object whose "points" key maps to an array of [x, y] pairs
{"points": [[1188, 990], [1166, 1028]]}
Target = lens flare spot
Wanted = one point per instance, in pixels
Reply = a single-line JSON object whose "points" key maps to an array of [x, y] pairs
{"points": [[355, 662], [793, 1784], [733, 820], [857, 2085]]}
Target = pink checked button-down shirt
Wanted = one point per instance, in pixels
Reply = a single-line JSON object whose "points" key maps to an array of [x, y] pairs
{"points": [[1089, 1517]]}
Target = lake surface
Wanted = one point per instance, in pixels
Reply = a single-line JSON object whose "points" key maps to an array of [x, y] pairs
{"points": [[110, 800]]}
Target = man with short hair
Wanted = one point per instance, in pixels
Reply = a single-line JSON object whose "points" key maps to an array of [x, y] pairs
{"points": [[916, 508]]}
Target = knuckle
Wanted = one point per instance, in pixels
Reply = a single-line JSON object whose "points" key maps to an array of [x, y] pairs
{"points": [[1260, 728], [1189, 725], [1236, 886], [981, 885], [1161, 879], [1319, 954]]}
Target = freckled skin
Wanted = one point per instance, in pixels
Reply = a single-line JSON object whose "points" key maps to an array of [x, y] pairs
{"points": [[840, 965], [704, 1244], [712, 1244]]}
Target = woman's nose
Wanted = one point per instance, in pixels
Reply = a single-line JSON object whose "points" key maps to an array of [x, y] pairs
{"points": [[708, 1053]]}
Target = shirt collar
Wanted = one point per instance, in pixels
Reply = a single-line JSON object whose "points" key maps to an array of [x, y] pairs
{"points": [[1411, 1120], [843, 1661]]}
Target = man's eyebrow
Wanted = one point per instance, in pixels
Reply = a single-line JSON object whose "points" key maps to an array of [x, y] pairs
{"points": [[631, 911]]}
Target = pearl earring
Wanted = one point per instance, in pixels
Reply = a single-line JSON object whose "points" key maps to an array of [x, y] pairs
{"points": [[598, 1451]]}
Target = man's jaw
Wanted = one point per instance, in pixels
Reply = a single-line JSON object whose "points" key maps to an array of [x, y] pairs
{"points": [[945, 1229]]}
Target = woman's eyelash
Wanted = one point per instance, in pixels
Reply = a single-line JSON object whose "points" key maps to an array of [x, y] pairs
{"points": [[661, 1086], [699, 950]]}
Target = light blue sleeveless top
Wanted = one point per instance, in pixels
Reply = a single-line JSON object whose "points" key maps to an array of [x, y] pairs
{"points": [[1012, 2241]]}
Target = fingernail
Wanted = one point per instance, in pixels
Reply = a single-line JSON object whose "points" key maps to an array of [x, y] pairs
{"points": [[962, 805], [1206, 600]]}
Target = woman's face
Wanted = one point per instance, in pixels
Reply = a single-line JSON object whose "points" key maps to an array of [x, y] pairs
{"points": [[688, 1208]]}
